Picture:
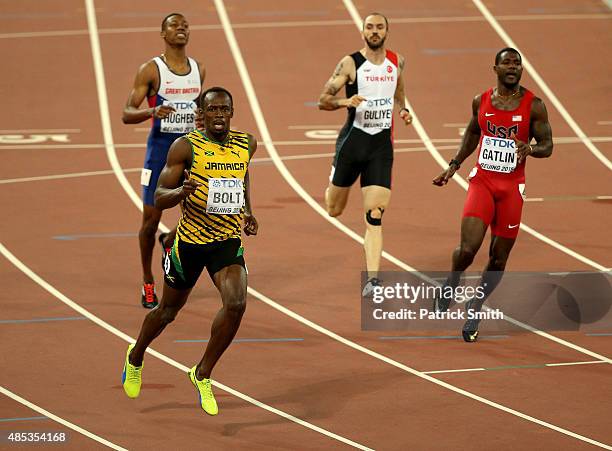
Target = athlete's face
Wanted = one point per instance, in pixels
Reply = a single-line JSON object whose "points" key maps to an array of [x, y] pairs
{"points": [[176, 30], [218, 111], [509, 69], [374, 31]]}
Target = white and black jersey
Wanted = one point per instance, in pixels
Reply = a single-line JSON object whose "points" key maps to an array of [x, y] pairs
{"points": [[364, 146]]}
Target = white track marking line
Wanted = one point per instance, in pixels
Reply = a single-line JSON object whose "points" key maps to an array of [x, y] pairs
{"points": [[352, 10], [316, 142], [111, 154], [113, 330], [253, 101], [421, 374], [259, 118], [59, 420], [543, 86], [416, 123], [43, 130], [309, 23], [265, 133], [511, 367]]}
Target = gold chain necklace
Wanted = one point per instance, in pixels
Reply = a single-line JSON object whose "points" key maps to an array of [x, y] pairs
{"points": [[498, 95]]}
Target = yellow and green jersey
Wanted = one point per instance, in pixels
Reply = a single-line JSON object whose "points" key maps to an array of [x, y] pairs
{"points": [[214, 211]]}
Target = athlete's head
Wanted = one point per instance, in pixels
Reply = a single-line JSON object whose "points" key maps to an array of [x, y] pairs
{"points": [[175, 29], [217, 106], [508, 67], [375, 29]]}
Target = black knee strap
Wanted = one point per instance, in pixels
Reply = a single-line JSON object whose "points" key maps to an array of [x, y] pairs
{"points": [[374, 221]]}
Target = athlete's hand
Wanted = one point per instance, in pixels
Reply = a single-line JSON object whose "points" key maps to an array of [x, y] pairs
{"points": [[523, 150], [406, 116], [445, 176], [353, 102], [189, 185], [163, 111], [199, 119], [250, 224]]}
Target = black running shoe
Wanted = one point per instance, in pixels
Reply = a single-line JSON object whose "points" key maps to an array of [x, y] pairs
{"points": [[470, 328], [368, 288]]}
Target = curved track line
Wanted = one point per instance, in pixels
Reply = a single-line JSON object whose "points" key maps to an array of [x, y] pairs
{"points": [[221, 11], [422, 375], [59, 420], [263, 129], [543, 86], [112, 156], [100, 322], [352, 10]]}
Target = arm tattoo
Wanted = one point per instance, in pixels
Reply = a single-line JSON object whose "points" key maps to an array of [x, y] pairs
{"points": [[338, 69]]}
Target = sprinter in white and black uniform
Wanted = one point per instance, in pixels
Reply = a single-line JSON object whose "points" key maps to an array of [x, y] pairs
{"points": [[172, 83], [374, 85]]}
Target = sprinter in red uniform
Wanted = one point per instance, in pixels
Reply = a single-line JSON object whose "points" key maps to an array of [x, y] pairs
{"points": [[504, 121]]}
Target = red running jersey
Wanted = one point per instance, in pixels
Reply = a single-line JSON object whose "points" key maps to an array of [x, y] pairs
{"points": [[497, 153]]}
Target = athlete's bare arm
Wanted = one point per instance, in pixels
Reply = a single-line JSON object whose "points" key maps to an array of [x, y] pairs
{"points": [[146, 83], [250, 223], [469, 142], [399, 96], [540, 129], [174, 183], [344, 73]]}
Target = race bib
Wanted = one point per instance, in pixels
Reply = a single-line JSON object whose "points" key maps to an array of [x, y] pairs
{"points": [[181, 121], [225, 196], [375, 114], [497, 154]]}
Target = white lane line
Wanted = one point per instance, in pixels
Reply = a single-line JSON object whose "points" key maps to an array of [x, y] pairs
{"points": [[604, 122], [113, 330], [306, 23], [416, 123], [352, 10], [514, 367], [308, 156], [316, 142], [543, 86], [59, 420], [43, 130], [263, 129], [111, 154], [64, 176], [421, 374], [231, 38]]}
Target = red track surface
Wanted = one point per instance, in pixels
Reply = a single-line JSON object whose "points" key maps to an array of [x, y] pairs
{"points": [[72, 368]]}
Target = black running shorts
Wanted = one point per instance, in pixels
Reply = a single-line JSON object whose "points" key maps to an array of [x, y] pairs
{"points": [[183, 266], [361, 154]]}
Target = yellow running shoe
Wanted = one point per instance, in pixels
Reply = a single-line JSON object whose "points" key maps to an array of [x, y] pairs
{"points": [[132, 375], [204, 387]]}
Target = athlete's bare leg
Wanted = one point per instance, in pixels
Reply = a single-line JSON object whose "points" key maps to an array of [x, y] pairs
{"points": [[157, 319], [375, 201], [473, 231], [499, 252], [146, 237], [231, 282], [336, 198]]}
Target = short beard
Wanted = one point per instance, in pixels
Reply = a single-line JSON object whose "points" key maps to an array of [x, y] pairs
{"points": [[376, 46]]}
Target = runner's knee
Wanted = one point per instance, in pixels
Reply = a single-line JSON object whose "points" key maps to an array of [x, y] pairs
{"points": [[167, 314], [236, 305], [466, 253], [374, 216]]}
